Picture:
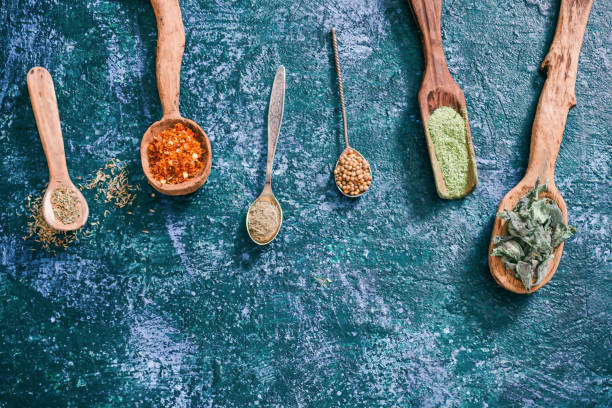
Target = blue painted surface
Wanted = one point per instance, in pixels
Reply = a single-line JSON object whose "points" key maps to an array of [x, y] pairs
{"points": [[193, 314]]}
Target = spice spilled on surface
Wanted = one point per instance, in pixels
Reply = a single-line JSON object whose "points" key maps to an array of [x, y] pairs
{"points": [[175, 155], [263, 220], [42, 233], [112, 185], [352, 174], [535, 229], [446, 128], [65, 204]]}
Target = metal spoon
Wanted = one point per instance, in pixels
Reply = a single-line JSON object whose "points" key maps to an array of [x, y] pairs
{"points": [[275, 119], [170, 47], [348, 149], [44, 105], [556, 99]]}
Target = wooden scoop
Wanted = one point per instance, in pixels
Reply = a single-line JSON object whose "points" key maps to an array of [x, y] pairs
{"points": [[44, 105], [170, 46], [439, 89], [556, 99]]}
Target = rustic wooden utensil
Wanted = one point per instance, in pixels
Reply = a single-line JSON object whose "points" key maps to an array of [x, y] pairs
{"points": [[439, 89], [557, 98], [275, 119], [170, 47], [347, 148], [44, 105]]}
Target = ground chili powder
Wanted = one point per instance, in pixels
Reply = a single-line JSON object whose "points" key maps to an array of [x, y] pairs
{"points": [[175, 155]]}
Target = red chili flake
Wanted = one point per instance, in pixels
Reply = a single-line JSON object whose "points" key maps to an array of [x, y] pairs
{"points": [[175, 155]]}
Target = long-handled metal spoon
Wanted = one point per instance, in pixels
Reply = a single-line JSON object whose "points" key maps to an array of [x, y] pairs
{"points": [[557, 98], [275, 119], [44, 105], [170, 47], [349, 154]]}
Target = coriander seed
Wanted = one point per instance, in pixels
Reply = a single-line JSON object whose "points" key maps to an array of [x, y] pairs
{"points": [[352, 173]]}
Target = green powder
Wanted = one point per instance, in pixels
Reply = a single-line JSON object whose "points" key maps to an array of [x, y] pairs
{"points": [[446, 128]]}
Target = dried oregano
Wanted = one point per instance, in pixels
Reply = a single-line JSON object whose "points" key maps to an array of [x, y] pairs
{"points": [[535, 228]]}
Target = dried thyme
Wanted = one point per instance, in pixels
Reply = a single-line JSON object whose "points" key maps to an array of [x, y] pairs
{"points": [[41, 231], [65, 204], [535, 228]]}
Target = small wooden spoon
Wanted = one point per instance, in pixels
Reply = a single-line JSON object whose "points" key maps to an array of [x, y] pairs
{"points": [[275, 119], [170, 47], [347, 148], [557, 98], [44, 105], [439, 89]]}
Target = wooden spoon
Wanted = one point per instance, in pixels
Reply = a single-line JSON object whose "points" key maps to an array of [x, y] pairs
{"points": [[170, 46], [556, 99], [275, 119], [44, 105], [440, 89]]}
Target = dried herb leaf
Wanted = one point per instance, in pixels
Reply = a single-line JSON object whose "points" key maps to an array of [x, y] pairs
{"points": [[510, 249], [525, 273], [535, 228], [543, 269], [540, 211]]}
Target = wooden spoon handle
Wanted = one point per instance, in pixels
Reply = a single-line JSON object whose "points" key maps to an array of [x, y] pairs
{"points": [[558, 95], [44, 105], [427, 14], [170, 47]]}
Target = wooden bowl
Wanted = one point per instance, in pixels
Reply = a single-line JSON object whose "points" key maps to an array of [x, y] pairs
{"points": [[190, 185]]}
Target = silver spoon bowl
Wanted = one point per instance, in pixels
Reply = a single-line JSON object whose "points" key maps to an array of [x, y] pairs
{"points": [[344, 152]]}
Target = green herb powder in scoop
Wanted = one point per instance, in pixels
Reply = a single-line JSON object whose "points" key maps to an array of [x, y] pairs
{"points": [[446, 128]]}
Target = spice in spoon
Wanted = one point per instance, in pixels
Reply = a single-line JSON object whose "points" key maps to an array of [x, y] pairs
{"points": [[41, 232], [176, 155], [535, 228], [65, 204], [446, 127], [263, 220], [110, 184], [352, 174]]}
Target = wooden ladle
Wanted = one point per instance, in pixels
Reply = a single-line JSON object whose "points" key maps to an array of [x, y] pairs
{"points": [[170, 47], [439, 89], [556, 99], [44, 105]]}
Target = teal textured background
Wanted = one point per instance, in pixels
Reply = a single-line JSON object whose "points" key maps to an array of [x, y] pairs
{"points": [[194, 314]]}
